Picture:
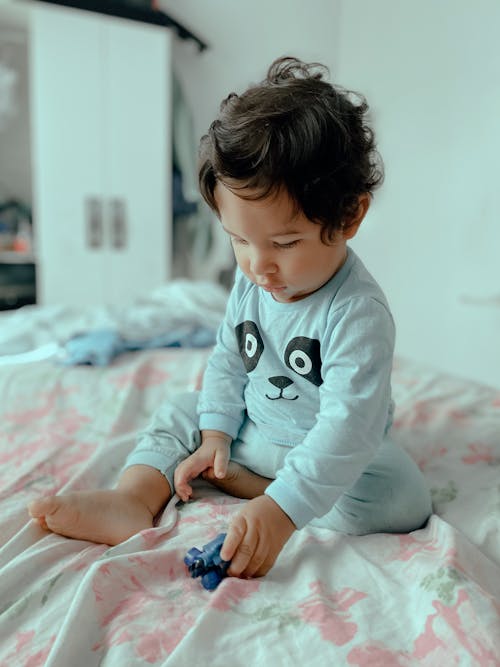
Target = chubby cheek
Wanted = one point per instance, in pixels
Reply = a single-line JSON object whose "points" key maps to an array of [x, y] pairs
{"points": [[242, 260], [309, 273], [311, 266], [298, 266]]}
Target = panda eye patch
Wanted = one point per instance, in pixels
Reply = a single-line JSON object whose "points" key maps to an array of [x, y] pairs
{"points": [[302, 355], [250, 344]]}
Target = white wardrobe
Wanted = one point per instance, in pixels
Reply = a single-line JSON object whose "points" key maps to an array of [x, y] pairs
{"points": [[101, 155]]}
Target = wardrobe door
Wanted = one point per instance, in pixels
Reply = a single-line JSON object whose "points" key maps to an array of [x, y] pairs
{"points": [[138, 152], [67, 93]]}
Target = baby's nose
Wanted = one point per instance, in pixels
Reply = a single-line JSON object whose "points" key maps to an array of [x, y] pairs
{"points": [[262, 264]]}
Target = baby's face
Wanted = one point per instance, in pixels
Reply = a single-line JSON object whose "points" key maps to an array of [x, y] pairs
{"points": [[277, 248]]}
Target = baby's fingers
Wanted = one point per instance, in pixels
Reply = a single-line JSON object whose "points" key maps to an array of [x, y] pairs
{"points": [[184, 491], [233, 539], [221, 461], [242, 560], [182, 477], [241, 548]]}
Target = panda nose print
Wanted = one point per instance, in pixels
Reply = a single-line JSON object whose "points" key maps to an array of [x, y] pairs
{"points": [[280, 381]]}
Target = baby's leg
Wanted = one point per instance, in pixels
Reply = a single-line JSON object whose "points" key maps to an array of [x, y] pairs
{"points": [[253, 466], [239, 481], [391, 496], [106, 516], [112, 516]]}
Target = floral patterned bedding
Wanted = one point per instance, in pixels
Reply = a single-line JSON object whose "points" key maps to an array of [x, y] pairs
{"points": [[430, 598]]}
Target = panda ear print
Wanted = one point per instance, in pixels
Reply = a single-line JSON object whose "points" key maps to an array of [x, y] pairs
{"points": [[250, 344], [302, 356]]}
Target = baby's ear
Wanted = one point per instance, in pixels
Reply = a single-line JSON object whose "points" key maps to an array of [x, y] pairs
{"points": [[351, 226]]}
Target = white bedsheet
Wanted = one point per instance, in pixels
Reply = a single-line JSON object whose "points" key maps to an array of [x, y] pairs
{"points": [[430, 598]]}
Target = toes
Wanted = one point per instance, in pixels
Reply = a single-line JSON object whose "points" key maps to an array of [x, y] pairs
{"points": [[38, 509], [42, 523]]}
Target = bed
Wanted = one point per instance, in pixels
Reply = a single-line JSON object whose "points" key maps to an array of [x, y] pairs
{"points": [[429, 598]]}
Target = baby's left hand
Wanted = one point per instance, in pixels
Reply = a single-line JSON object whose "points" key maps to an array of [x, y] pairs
{"points": [[255, 537]]}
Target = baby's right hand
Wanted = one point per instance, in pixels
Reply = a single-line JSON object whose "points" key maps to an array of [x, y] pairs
{"points": [[212, 453]]}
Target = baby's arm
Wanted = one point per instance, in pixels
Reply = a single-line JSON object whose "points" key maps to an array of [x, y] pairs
{"points": [[213, 453]]}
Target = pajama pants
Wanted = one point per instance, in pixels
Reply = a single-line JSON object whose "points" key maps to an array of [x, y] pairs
{"points": [[389, 496]]}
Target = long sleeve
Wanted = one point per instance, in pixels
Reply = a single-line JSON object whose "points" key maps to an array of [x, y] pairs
{"points": [[221, 405], [354, 410]]}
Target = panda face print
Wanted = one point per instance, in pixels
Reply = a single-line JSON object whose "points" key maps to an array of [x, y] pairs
{"points": [[301, 356], [250, 344]]}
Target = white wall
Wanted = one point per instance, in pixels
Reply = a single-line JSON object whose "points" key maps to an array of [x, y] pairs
{"points": [[431, 72], [244, 38]]}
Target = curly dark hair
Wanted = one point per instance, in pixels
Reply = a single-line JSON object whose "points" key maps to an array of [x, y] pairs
{"points": [[296, 131]]}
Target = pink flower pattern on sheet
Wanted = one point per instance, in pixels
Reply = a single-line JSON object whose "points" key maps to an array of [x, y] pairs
{"points": [[49, 477], [219, 509], [432, 545], [57, 424], [26, 651], [330, 612], [410, 546], [329, 598], [123, 592], [421, 413], [427, 456], [47, 401], [444, 631], [36, 452], [480, 453], [142, 378], [447, 627], [231, 592]]}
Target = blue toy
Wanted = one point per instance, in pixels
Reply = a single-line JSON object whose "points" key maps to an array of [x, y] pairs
{"points": [[207, 563]]}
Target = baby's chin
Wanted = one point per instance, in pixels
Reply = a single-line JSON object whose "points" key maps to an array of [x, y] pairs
{"points": [[289, 296]]}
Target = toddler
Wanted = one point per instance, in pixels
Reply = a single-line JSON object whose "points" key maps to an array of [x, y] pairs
{"points": [[295, 409]]}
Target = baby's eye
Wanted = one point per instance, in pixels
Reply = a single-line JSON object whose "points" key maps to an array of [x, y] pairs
{"points": [[284, 246], [236, 240]]}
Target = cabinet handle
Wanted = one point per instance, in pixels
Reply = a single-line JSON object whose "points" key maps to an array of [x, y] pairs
{"points": [[118, 224], [94, 222]]}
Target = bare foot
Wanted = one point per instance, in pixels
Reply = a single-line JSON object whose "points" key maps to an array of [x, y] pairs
{"points": [[106, 517], [239, 481]]}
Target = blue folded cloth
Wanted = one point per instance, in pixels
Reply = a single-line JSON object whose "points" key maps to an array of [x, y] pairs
{"points": [[100, 347]]}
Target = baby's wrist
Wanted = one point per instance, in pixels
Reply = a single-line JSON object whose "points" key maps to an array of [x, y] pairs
{"points": [[217, 437], [278, 510]]}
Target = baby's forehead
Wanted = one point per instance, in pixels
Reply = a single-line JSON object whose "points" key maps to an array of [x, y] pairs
{"points": [[269, 219], [278, 203]]}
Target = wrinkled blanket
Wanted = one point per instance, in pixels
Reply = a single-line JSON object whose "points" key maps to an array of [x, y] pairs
{"points": [[430, 598]]}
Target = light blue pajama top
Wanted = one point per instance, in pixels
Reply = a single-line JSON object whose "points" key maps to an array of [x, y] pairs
{"points": [[312, 375]]}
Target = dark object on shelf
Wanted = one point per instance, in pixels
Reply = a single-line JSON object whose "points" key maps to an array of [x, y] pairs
{"points": [[15, 226], [17, 284], [135, 11]]}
